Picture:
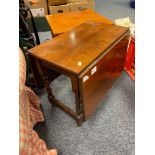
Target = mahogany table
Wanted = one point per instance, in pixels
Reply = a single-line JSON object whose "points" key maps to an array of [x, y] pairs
{"points": [[62, 22], [92, 55]]}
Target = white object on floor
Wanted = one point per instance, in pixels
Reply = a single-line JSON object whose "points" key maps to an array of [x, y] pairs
{"points": [[126, 23]]}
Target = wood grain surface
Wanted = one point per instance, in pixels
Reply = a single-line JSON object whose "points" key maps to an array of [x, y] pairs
{"points": [[62, 22], [102, 76], [92, 55], [76, 49]]}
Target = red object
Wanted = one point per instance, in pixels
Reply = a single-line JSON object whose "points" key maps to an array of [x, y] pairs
{"points": [[130, 59]]}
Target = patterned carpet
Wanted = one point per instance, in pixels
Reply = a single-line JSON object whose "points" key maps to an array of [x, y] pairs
{"points": [[110, 130]]}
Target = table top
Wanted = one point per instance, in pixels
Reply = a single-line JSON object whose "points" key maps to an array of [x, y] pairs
{"points": [[62, 22], [76, 49]]}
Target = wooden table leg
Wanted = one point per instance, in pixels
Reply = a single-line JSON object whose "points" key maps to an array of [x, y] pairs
{"points": [[44, 75], [51, 97], [78, 105], [78, 115]]}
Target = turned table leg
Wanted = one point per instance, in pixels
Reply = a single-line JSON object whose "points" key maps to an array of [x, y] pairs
{"points": [[43, 73], [78, 105], [78, 116], [51, 97]]}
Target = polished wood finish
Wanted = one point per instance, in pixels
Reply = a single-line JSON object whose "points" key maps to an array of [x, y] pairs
{"points": [[76, 53], [107, 70], [78, 48], [62, 22]]}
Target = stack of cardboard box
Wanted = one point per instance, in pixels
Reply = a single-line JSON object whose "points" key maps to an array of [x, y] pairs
{"points": [[39, 8], [72, 5], [57, 2]]}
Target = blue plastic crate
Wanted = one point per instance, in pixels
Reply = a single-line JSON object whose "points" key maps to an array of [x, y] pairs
{"points": [[132, 4]]}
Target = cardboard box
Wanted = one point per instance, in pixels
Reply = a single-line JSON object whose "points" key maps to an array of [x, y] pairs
{"points": [[38, 7], [39, 12], [77, 1], [59, 8], [57, 2], [71, 7], [82, 6]]}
